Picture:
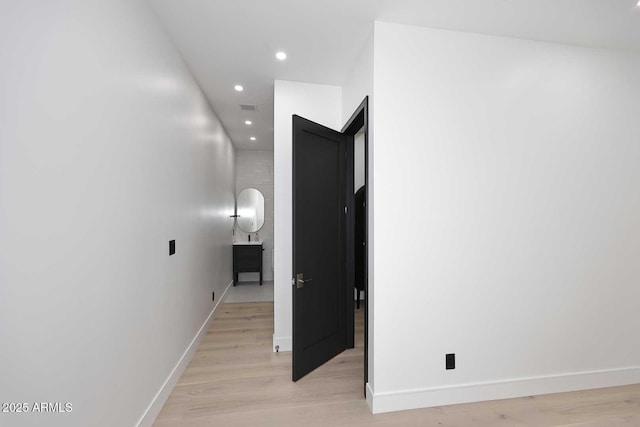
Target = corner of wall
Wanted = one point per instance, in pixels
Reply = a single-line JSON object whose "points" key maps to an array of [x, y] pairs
{"points": [[322, 104]]}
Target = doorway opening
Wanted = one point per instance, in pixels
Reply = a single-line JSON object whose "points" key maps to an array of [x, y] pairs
{"points": [[358, 241], [253, 228]]}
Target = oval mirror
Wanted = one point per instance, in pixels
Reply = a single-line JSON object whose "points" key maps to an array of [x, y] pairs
{"points": [[250, 210]]}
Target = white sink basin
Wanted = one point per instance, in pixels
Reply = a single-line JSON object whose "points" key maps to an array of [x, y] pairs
{"points": [[249, 243]]}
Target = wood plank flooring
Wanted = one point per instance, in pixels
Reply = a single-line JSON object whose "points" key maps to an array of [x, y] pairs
{"points": [[236, 380]]}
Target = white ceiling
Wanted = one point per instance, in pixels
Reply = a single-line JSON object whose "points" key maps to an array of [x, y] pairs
{"points": [[226, 42]]}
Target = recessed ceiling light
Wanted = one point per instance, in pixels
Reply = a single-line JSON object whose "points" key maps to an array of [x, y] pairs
{"points": [[281, 55], [238, 88], [248, 122], [253, 138]]}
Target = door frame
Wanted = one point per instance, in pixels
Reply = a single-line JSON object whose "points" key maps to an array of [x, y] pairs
{"points": [[358, 120]]}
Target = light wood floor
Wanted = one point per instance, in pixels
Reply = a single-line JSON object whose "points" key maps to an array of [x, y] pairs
{"points": [[251, 292], [235, 380]]}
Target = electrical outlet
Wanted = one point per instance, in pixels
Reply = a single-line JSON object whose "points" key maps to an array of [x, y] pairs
{"points": [[450, 361], [213, 296], [172, 247]]}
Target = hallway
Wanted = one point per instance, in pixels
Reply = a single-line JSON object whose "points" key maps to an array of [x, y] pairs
{"points": [[236, 380]]}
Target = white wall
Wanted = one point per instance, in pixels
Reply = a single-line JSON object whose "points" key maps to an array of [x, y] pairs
{"points": [[520, 161], [322, 104], [254, 169], [108, 149], [359, 82]]}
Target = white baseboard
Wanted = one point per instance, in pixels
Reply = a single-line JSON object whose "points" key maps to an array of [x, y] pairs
{"points": [[451, 395], [284, 343], [152, 411], [369, 397]]}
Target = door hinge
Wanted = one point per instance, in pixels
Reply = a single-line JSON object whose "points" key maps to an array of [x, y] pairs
{"points": [[345, 210]]}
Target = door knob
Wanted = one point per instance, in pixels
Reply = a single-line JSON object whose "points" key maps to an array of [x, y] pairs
{"points": [[300, 281]]}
